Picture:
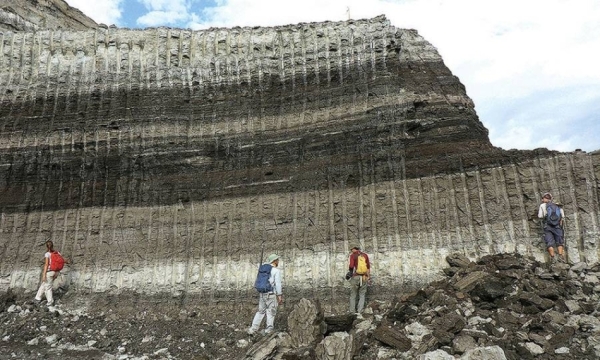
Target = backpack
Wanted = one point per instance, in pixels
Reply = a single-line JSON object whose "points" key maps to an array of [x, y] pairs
{"points": [[262, 284], [57, 262], [552, 214], [361, 264]]}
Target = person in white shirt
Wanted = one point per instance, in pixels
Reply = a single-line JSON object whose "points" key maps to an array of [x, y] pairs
{"points": [[268, 302], [49, 273], [553, 233]]}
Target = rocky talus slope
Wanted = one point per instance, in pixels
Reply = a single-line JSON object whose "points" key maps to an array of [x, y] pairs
{"points": [[503, 306]]}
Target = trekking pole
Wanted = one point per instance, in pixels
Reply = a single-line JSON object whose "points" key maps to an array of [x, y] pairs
{"points": [[262, 253], [543, 239], [565, 241]]}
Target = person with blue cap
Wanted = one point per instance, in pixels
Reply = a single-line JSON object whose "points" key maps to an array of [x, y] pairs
{"points": [[268, 284]]}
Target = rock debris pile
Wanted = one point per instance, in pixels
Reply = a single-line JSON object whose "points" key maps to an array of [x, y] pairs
{"points": [[503, 306], [120, 327]]}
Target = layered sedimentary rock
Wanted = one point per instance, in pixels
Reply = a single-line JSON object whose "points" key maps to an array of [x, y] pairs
{"points": [[31, 15], [170, 160]]}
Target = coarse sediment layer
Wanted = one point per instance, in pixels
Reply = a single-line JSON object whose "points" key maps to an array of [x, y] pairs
{"points": [[169, 160]]}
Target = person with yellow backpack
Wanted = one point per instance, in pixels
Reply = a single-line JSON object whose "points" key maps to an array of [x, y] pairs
{"points": [[359, 271]]}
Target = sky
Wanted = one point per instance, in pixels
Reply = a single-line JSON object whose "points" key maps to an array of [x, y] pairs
{"points": [[532, 67]]}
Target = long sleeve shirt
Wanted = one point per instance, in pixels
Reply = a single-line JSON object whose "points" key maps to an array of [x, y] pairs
{"points": [[275, 280]]}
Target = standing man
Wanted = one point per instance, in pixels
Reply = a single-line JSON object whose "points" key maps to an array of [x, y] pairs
{"points": [[553, 218], [359, 271], [268, 284], [53, 264]]}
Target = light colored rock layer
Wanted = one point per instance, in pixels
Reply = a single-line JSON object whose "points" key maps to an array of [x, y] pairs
{"points": [[408, 227]]}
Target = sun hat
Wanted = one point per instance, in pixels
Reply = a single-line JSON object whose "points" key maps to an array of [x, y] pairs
{"points": [[547, 196], [272, 258]]}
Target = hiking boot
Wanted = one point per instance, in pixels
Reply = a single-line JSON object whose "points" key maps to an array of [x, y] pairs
{"points": [[251, 332], [268, 331], [561, 259]]}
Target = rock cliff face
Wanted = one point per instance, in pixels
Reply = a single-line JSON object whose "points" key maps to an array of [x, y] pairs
{"points": [[168, 160], [31, 15]]}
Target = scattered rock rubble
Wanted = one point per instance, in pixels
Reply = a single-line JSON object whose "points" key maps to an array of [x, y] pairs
{"points": [[503, 306]]}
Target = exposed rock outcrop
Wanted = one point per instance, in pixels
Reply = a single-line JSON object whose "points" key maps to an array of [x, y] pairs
{"points": [[167, 160], [32, 15]]}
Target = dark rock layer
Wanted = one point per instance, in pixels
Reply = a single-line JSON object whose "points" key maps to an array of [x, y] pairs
{"points": [[169, 160]]}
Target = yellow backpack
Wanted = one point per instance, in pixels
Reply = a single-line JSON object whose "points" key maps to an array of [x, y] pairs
{"points": [[361, 265]]}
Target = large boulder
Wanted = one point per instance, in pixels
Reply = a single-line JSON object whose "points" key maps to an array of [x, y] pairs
{"points": [[484, 353], [392, 336], [337, 346], [305, 323]]}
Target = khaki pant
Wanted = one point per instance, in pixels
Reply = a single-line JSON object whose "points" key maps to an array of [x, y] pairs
{"points": [[46, 287], [267, 305], [358, 287]]}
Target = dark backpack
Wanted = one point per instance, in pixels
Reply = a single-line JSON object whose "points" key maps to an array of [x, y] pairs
{"points": [[57, 262], [552, 214], [262, 284]]}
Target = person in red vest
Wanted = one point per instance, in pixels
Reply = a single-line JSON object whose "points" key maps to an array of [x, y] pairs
{"points": [[359, 271], [53, 264]]}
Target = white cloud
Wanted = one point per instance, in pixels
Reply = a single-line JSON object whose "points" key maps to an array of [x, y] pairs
{"points": [[167, 5], [165, 12], [158, 18], [516, 137], [104, 11], [275, 12]]}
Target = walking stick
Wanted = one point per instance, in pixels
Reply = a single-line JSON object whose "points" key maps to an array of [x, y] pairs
{"points": [[543, 240], [563, 228], [565, 241], [262, 253]]}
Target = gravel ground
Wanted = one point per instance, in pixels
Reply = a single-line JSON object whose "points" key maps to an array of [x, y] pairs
{"points": [[124, 327]]}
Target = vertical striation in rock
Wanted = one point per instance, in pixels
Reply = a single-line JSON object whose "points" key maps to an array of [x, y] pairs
{"points": [[168, 159]]}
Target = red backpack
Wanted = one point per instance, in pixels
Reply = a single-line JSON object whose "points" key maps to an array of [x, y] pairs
{"points": [[57, 262]]}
